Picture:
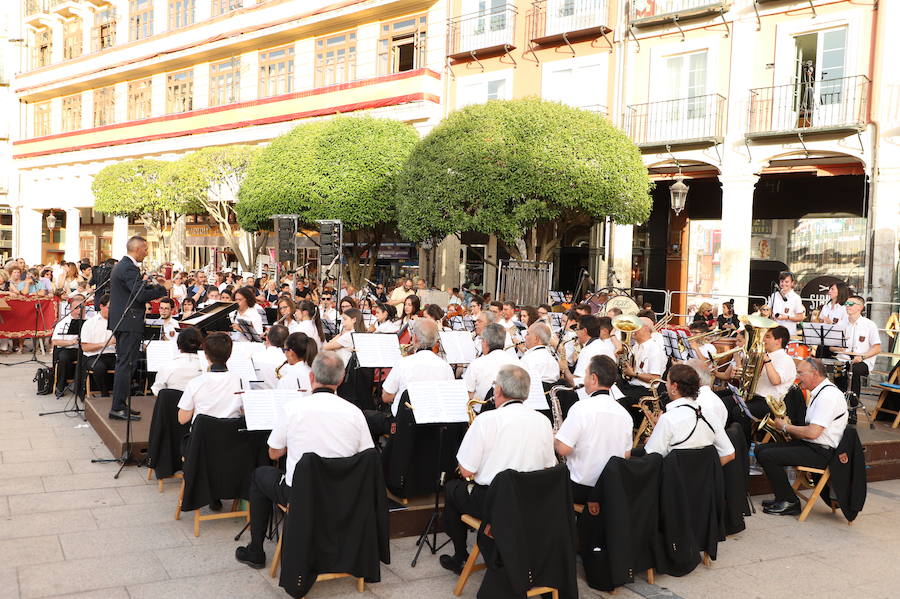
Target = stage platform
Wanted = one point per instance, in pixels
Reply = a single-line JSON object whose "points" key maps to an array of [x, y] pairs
{"points": [[112, 432]]}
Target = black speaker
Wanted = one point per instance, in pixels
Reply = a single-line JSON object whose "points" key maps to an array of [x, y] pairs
{"points": [[329, 243], [285, 240]]}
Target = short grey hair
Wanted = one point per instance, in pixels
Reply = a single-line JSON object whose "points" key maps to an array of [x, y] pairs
{"points": [[425, 332], [817, 365], [702, 371], [489, 317], [514, 381], [541, 331], [134, 242], [328, 368], [495, 336]]}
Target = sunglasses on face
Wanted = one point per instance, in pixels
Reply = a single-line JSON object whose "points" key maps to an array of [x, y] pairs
{"points": [[852, 304]]}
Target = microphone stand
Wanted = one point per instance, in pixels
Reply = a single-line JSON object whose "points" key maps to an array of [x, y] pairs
{"points": [[126, 454]]}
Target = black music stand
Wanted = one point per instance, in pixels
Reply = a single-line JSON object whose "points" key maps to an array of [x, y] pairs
{"points": [[330, 328], [75, 326], [823, 334], [248, 331]]}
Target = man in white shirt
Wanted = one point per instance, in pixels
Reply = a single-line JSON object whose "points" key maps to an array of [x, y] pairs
{"points": [[537, 357], [98, 347], [787, 307], [215, 393], [271, 357], [65, 343], [327, 310], [424, 365], [815, 441], [510, 437], [864, 345], [712, 405], [684, 425], [595, 429], [400, 293], [778, 373], [166, 319], [212, 296], [590, 334], [323, 424], [649, 361], [480, 374]]}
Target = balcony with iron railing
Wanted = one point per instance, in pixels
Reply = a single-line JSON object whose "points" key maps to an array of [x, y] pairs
{"points": [[653, 12], [64, 8], [555, 20], [826, 105], [698, 120], [486, 32], [36, 12]]}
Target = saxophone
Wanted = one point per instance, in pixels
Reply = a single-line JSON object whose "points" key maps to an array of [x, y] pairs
{"points": [[470, 408], [278, 370], [753, 365], [651, 407], [556, 410]]}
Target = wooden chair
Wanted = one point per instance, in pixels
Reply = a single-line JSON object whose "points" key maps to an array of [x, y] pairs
{"points": [[198, 517], [87, 381], [890, 386], [816, 491], [471, 566]]}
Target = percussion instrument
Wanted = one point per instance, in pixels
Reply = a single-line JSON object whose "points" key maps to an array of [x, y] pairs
{"points": [[624, 303], [797, 350]]}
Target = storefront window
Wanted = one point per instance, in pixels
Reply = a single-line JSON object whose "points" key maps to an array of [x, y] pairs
{"points": [[703, 256]]}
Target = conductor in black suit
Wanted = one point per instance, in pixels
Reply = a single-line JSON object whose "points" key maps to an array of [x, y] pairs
{"points": [[126, 286]]}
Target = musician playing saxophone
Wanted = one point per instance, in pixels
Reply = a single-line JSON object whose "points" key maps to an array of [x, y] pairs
{"points": [[778, 374], [595, 429], [537, 357], [424, 365], [649, 364], [590, 334]]}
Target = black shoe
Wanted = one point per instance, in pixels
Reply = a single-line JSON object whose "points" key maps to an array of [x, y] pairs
{"points": [[783, 508], [851, 420], [135, 412], [121, 415], [448, 562], [768, 502], [215, 505], [254, 560]]}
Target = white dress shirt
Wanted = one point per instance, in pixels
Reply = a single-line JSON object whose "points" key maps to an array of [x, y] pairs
{"points": [[346, 350], [170, 328], [539, 360], [178, 373], [675, 425], [791, 305], [295, 377], [510, 437], [712, 405], [596, 428], [787, 372], [388, 326], [60, 331], [482, 372], [95, 331], [594, 347], [424, 365], [322, 423], [265, 362], [833, 313], [649, 358], [308, 327], [860, 336], [828, 409], [251, 316], [214, 394]]}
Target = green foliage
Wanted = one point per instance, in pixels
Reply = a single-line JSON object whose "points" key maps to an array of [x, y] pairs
{"points": [[506, 167], [132, 188], [342, 168], [212, 174]]}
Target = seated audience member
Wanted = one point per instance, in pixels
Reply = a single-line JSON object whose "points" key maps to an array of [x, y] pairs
{"points": [[299, 351], [510, 437], [99, 348], [424, 365], [272, 356], [186, 365], [814, 441], [216, 392], [684, 425], [323, 424], [595, 429]]}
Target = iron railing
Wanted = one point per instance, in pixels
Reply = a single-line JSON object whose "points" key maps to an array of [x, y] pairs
{"points": [[556, 17], [35, 7], [54, 3], [698, 118], [489, 29], [823, 104], [670, 8], [524, 282]]}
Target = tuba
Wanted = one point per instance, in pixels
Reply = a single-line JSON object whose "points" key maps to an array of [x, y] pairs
{"points": [[627, 324]]}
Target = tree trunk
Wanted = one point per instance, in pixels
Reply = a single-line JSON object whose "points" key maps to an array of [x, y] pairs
{"points": [[178, 244]]}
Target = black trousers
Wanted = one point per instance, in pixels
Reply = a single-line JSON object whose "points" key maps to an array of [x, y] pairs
{"points": [[128, 345], [267, 488], [580, 493], [773, 457], [66, 358], [859, 370], [102, 379], [459, 501]]}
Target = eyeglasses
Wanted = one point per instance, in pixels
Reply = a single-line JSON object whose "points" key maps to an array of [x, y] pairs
{"points": [[852, 304]]}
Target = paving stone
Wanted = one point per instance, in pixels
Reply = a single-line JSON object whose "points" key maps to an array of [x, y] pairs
{"points": [[131, 516], [238, 584], [29, 550], [9, 583], [79, 575], [34, 469], [114, 541], [112, 593], [21, 486], [46, 523], [63, 500], [20, 456], [14, 444], [91, 480]]}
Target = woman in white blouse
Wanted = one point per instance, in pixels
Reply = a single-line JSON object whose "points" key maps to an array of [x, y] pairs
{"points": [[310, 322], [833, 310], [385, 319], [286, 309], [300, 351], [179, 290], [186, 365], [246, 301], [352, 321]]}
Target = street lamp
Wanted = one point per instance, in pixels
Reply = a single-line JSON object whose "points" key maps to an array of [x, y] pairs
{"points": [[678, 194], [51, 222]]}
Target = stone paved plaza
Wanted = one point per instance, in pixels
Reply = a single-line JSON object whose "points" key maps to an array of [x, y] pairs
{"points": [[68, 529]]}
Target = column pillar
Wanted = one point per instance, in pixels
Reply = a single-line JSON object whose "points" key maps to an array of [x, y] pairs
{"points": [[885, 222], [490, 268], [620, 259], [737, 220], [120, 236], [31, 226], [73, 234]]}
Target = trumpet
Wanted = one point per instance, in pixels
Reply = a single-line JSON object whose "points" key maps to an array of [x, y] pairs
{"points": [[662, 322]]}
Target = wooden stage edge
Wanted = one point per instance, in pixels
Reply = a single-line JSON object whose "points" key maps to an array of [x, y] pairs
{"points": [[112, 432]]}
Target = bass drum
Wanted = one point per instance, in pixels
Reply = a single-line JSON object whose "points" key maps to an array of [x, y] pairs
{"points": [[624, 303]]}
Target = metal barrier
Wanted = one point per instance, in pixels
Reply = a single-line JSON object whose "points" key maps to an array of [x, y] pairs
{"points": [[525, 282], [709, 297], [666, 297], [888, 344]]}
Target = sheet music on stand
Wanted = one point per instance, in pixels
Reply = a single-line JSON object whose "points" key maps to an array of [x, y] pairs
{"points": [[457, 323], [376, 350], [823, 333], [159, 353], [555, 321], [557, 297], [243, 367], [537, 399], [458, 346], [248, 331], [246, 349], [672, 347], [439, 402], [469, 323], [264, 408]]}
